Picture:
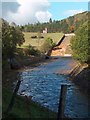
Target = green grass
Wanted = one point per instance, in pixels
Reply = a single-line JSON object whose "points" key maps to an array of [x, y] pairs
{"points": [[24, 108], [38, 42]]}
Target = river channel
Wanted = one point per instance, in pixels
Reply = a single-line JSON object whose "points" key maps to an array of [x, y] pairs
{"points": [[43, 84]]}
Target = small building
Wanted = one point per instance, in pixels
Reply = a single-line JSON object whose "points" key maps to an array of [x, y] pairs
{"points": [[45, 31]]}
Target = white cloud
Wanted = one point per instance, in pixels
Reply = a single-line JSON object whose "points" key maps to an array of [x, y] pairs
{"points": [[30, 11], [43, 16], [73, 12]]}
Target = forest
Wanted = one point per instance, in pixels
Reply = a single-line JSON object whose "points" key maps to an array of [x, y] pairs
{"points": [[70, 24]]}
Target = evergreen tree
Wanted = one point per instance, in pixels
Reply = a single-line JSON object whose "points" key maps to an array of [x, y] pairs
{"points": [[50, 20]]}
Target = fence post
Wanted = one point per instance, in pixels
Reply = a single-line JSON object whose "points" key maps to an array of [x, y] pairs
{"points": [[61, 106], [13, 97]]}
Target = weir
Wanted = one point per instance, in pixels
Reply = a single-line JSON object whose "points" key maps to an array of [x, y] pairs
{"points": [[62, 48]]}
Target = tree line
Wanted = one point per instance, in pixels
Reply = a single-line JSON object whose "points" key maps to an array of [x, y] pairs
{"points": [[71, 24]]}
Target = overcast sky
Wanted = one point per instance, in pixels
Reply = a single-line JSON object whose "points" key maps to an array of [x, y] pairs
{"points": [[31, 11]]}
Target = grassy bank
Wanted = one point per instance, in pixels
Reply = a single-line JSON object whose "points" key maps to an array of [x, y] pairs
{"points": [[24, 107]]}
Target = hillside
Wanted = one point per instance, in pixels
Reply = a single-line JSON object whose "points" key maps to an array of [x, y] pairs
{"points": [[39, 42], [70, 24]]}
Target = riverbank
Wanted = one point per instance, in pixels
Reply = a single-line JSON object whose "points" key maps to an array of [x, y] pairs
{"points": [[23, 107], [43, 85], [80, 76], [70, 66]]}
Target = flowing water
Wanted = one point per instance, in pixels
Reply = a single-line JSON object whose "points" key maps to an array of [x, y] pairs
{"points": [[43, 85]]}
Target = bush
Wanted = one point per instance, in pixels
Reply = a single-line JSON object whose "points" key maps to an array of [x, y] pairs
{"points": [[37, 36], [47, 45], [34, 36], [30, 50], [80, 44]]}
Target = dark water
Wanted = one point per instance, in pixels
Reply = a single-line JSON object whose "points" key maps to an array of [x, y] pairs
{"points": [[44, 85]]}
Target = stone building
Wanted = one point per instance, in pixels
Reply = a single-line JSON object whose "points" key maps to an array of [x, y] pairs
{"points": [[45, 31]]}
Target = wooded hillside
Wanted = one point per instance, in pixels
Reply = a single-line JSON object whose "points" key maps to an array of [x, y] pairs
{"points": [[67, 25]]}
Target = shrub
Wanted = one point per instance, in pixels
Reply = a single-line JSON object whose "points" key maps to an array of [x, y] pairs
{"points": [[30, 50], [47, 45], [80, 44], [34, 36]]}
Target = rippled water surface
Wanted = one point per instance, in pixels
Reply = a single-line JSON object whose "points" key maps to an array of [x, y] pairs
{"points": [[44, 85]]}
